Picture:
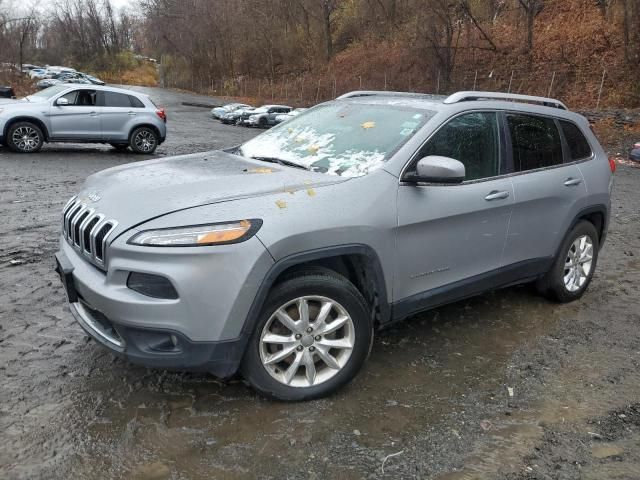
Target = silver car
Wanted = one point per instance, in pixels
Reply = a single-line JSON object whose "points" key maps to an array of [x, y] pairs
{"points": [[281, 257], [82, 113]]}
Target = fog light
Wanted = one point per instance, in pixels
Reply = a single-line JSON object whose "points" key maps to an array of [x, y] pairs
{"points": [[152, 285]]}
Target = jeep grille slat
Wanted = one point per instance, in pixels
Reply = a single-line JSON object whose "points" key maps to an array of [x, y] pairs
{"points": [[86, 230]]}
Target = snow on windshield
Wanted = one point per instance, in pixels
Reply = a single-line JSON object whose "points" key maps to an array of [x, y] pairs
{"points": [[343, 139]]}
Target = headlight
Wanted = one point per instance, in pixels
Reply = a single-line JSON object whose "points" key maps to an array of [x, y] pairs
{"points": [[198, 235]]}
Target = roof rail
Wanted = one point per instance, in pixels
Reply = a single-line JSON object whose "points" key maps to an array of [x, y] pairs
{"points": [[384, 93], [471, 96]]}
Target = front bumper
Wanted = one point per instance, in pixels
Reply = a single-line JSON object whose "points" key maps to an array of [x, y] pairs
{"points": [[156, 348], [202, 330]]}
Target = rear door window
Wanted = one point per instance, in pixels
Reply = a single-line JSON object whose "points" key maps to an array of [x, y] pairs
{"points": [[113, 99], [578, 146], [535, 142]]}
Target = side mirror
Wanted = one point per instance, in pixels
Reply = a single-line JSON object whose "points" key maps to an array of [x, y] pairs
{"points": [[62, 102], [436, 169]]}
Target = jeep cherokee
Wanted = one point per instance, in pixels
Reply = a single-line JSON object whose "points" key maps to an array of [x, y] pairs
{"points": [[279, 258]]}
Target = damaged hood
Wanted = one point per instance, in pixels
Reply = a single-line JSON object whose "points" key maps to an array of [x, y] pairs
{"points": [[134, 193]]}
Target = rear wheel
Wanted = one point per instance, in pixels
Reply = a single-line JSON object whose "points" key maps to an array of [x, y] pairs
{"points": [[144, 140], [573, 269], [24, 137], [313, 336]]}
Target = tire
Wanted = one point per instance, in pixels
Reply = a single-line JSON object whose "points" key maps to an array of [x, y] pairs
{"points": [[24, 137], [572, 272], [263, 123], [278, 377], [144, 140], [121, 147]]}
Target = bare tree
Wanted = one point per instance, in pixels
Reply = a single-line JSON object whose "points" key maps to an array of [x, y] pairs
{"points": [[531, 9]]}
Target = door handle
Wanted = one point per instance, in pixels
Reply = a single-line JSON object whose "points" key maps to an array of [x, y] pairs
{"points": [[93, 114], [495, 195], [570, 182], [131, 113]]}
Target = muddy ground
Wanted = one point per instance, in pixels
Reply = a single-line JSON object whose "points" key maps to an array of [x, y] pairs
{"points": [[432, 402]]}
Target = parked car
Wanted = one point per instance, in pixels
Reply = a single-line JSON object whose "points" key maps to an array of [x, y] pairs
{"points": [[264, 116], [280, 257], [283, 117], [38, 73], [7, 92], [47, 82], [65, 77], [218, 112], [235, 117], [92, 79], [89, 114], [635, 152]]}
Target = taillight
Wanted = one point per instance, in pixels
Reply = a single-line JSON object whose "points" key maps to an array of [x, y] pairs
{"points": [[612, 165], [162, 114]]}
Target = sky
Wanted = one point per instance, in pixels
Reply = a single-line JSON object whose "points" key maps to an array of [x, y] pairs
{"points": [[123, 3], [17, 7]]}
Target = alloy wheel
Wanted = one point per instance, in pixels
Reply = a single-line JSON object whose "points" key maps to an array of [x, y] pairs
{"points": [[145, 141], [577, 265], [307, 341], [26, 138]]}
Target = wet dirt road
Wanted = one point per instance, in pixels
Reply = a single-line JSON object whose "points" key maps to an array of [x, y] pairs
{"points": [[432, 402]]}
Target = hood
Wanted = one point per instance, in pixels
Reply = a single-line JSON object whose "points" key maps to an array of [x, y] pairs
{"points": [[10, 101], [134, 193]]}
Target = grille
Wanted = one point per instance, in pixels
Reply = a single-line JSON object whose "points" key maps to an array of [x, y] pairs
{"points": [[86, 230]]}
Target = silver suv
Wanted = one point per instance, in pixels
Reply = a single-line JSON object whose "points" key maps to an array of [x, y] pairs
{"points": [[85, 114], [279, 258]]}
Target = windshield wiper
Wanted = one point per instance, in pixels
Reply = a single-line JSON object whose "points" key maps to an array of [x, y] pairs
{"points": [[281, 161]]}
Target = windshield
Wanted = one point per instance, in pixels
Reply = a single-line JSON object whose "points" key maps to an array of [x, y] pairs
{"points": [[48, 92], [261, 110], [343, 139]]}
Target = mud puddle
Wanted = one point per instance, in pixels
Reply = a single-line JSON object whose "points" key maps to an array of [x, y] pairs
{"points": [[418, 372]]}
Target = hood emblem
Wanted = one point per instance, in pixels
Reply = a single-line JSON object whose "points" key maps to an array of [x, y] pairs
{"points": [[94, 196]]}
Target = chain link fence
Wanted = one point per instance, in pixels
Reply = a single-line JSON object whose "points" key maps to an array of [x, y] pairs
{"points": [[578, 87]]}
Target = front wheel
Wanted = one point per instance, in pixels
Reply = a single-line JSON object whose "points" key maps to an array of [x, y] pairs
{"points": [[573, 269], [312, 337], [144, 140], [25, 137]]}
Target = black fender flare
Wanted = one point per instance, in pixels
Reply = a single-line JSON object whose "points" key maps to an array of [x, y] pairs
{"points": [[598, 208], [319, 254], [304, 257]]}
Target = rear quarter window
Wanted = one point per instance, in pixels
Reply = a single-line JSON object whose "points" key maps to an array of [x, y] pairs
{"points": [[135, 102], [578, 146]]}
